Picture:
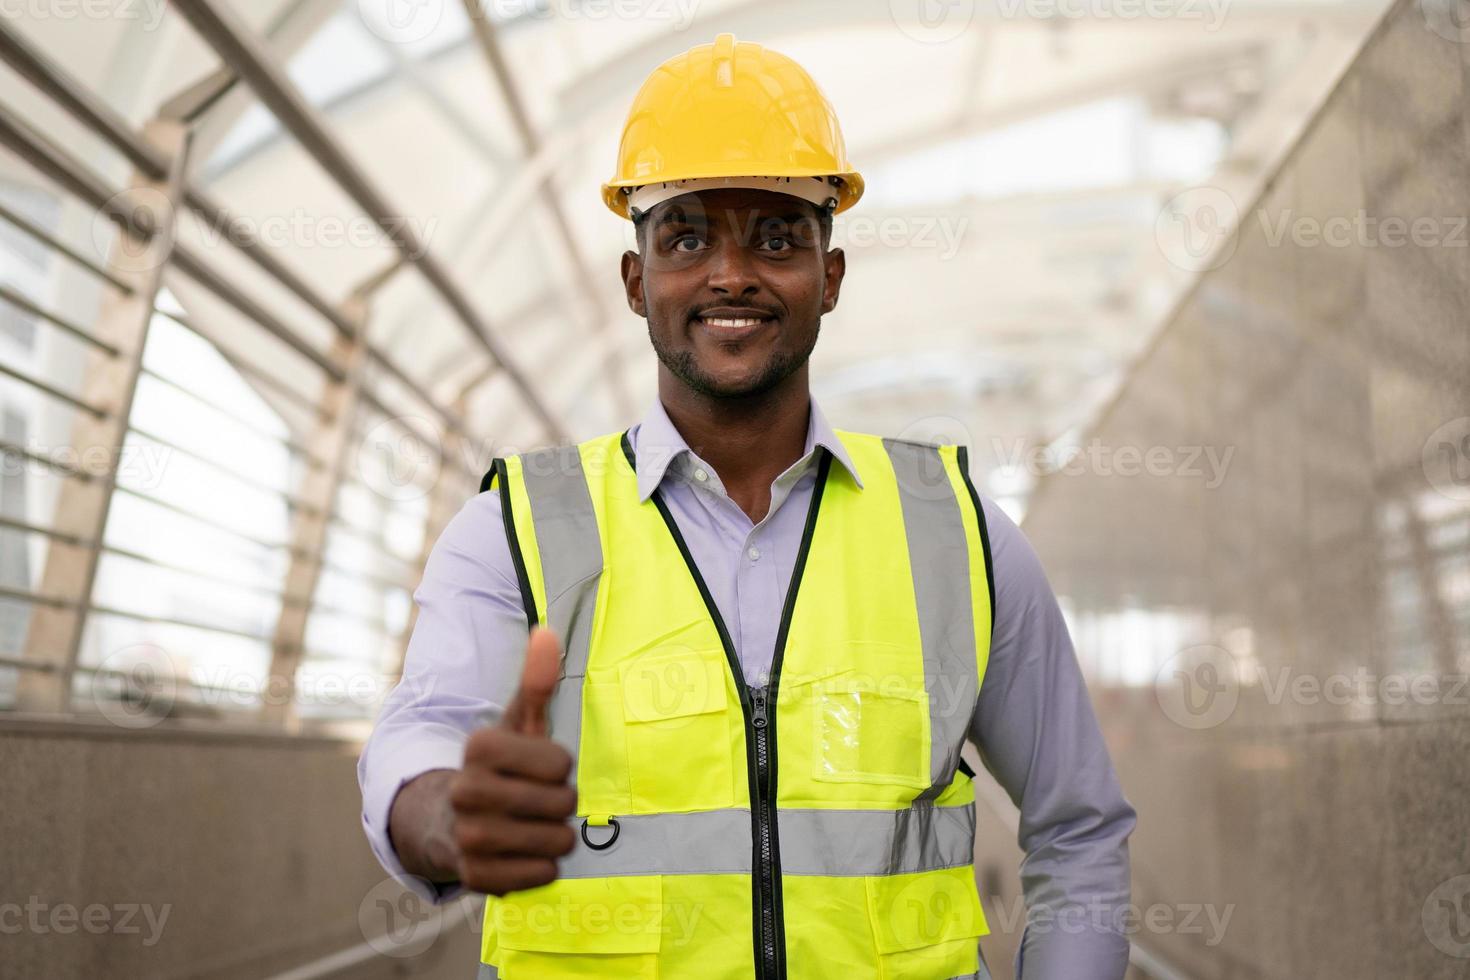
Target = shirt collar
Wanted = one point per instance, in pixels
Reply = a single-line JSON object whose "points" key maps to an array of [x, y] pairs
{"points": [[657, 444]]}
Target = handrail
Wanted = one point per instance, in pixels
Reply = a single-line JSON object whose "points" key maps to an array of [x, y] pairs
{"points": [[39, 234], [99, 117], [52, 391]]}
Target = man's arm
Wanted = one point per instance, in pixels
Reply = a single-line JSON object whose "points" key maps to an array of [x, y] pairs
{"points": [[461, 668], [1038, 736]]}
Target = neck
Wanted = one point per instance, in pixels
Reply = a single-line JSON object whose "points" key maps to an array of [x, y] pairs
{"points": [[748, 440]]}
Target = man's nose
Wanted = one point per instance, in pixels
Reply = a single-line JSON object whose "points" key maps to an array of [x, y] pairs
{"points": [[731, 269]]}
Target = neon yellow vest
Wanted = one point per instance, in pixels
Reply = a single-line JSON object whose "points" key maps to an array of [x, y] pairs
{"points": [[820, 827]]}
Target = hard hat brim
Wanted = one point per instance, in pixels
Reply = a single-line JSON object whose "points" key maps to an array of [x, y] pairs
{"points": [[848, 194]]}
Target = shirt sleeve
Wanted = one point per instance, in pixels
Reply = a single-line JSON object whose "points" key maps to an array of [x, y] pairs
{"points": [[461, 667], [1038, 736]]}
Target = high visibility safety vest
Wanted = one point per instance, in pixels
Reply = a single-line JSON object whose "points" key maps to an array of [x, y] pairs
{"points": [[821, 826]]}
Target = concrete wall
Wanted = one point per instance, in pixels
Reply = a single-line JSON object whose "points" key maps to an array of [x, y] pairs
{"points": [[1279, 659], [246, 851]]}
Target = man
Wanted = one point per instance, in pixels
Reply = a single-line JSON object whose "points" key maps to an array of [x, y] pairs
{"points": [[757, 645]]}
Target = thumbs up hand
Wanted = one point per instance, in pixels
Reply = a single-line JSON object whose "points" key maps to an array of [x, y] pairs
{"points": [[512, 799]]}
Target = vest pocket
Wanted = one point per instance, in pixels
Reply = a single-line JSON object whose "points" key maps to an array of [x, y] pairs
{"points": [[580, 929], [869, 733], [927, 924], [676, 709]]}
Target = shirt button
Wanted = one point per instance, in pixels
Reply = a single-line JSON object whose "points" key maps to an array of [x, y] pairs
{"points": [[754, 553], [701, 475]]}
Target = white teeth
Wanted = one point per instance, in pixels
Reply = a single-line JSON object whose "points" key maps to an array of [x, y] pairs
{"points": [[724, 322]]}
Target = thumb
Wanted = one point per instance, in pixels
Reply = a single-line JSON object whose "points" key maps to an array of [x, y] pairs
{"points": [[527, 711]]}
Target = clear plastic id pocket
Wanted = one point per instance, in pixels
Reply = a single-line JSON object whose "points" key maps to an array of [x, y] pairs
{"points": [[869, 733]]}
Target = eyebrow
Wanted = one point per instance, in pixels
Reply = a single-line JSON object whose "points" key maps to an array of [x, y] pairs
{"points": [[679, 217]]}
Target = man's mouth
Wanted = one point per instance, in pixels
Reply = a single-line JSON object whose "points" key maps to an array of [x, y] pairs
{"points": [[734, 320]]}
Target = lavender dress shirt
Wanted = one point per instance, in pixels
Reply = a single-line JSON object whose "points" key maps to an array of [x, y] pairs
{"points": [[1034, 726]]}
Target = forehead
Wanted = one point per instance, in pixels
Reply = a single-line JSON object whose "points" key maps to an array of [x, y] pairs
{"points": [[740, 202]]}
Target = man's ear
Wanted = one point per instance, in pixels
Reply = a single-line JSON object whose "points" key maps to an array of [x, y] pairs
{"points": [[633, 282], [834, 267]]}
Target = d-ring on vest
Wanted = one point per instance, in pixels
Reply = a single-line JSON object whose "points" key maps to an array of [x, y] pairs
{"points": [[819, 827]]}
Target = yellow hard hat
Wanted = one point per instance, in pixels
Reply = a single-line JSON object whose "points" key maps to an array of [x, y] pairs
{"points": [[732, 110]]}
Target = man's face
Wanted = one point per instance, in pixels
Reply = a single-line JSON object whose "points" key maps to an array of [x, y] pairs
{"points": [[733, 283]]}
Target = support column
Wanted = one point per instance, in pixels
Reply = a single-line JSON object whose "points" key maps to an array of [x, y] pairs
{"points": [[330, 442], [139, 254]]}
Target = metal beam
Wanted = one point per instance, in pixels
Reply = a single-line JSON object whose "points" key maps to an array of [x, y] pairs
{"points": [[487, 38], [55, 634], [249, 57], [91, 112]]}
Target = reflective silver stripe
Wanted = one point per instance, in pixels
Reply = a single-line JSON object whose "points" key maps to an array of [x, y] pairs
{"points": [[488, 972], [940, 559], [834, 843], [571, 562]]}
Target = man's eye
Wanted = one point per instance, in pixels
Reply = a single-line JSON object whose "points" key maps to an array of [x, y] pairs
{"points": [[777, 244], [686, 243]]}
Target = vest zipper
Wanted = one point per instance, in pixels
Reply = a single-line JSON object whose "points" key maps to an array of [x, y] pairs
{"points": [[765, 818], [760, 733]]}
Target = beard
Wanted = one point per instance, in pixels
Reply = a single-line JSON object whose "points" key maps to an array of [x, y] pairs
{"points": [[683, 365]]}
